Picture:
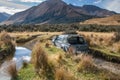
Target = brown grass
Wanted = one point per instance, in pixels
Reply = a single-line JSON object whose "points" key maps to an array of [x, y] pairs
{"points": [[62, 74], [47, 45], [39, 57], [4, 36], [86, 64], [71, 51], [41, 62], [78, 58], [7, 47], [12, 70]]}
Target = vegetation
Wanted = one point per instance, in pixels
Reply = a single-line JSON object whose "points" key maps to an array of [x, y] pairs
{"points": [[51, 63], [12, 70], [7, 48], [23, 39], [86, 64], [60, 27], [104, 46]]}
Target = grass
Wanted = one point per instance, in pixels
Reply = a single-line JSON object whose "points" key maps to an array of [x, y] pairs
{"points": [[64, 68], [105, 54], [47, 59], [7, 47], [12, 71], [41, 63], [26, 73], [62, 74], [104, 45], [25, 38], [86, 64]]}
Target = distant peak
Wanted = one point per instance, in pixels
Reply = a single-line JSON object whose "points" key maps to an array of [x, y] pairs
{"points": [[90, 6]]}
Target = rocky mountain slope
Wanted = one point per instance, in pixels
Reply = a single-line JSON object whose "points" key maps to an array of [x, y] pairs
{"points": [[57, 11]]}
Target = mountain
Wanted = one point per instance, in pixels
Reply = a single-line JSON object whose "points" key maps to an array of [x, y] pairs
{"points": [[111, 20], [57, 11], [4, 16], [96, 11]]}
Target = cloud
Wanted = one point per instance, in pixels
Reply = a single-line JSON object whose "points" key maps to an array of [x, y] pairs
{"points": [[12, 4], [36, 1], [113, 5], [10, 10], [11, 7], [98, 1]]}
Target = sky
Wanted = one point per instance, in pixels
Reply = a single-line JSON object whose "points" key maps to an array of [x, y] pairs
{"points": [[14, 6]]}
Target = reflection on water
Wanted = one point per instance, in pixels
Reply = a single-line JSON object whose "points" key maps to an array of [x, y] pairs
{"points": [[21, 55]]}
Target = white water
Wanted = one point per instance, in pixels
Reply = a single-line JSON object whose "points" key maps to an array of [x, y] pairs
{"points": [[21, 55]]}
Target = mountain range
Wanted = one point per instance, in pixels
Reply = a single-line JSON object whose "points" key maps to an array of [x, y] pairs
{"points": [[57, 11], [4, 16]]}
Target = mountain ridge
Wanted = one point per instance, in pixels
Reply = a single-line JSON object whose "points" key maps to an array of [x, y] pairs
{"points": [[4, 16], [56, 11]]}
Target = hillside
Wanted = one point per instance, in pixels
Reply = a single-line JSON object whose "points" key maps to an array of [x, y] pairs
{"points": [[111, 20], [4, 16], [57, 11]]}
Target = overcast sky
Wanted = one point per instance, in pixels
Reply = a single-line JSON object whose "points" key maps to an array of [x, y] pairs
{"points": [[13, 6]]}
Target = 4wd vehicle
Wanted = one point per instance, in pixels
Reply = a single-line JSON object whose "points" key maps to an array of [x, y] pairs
{"points": [[74, 41]]}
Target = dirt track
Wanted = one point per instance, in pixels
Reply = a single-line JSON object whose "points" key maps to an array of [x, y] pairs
{"points": [[112, 67]]}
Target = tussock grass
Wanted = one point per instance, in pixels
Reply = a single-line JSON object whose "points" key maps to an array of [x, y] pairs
{"points": [[47, 45], [104, 45], [12, 71], [4, 36], [41, 62], [7, 47], [78, 58], [116, 37], [86, 64], [62, 74], [71, 51], [39, 57]]}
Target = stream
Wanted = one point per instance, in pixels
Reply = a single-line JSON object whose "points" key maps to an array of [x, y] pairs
{"points": [[22, 54]]}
